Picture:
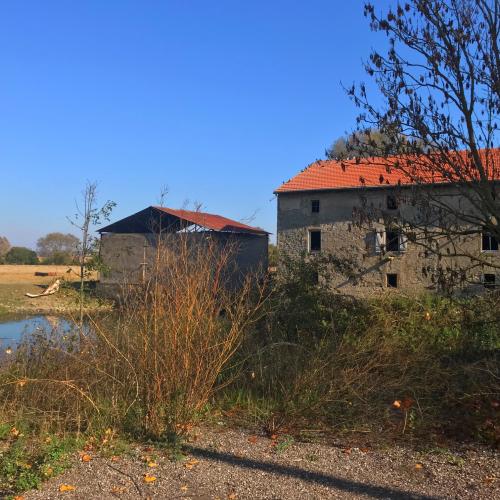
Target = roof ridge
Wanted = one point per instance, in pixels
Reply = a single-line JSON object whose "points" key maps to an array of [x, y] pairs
{"points": [[374, 171]]}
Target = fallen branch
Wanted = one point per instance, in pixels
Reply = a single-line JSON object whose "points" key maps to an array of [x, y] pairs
{"points": [[50, 290]]}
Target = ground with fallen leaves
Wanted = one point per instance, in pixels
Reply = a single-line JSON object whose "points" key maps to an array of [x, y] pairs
{"points": [[233, 464]]}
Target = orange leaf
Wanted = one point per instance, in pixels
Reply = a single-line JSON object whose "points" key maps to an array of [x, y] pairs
{"points": [[86, 458], [419, 466], [252, 439], [396, 404], [19, 497], [189, 465], [66, 487], [184, 487], [149, 479]]}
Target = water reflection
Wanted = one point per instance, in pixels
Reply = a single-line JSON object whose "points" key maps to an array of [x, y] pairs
{"points": [[14, 330]]}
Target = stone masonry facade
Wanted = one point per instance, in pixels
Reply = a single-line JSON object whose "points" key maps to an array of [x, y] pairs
{"points": [[323, 224]]}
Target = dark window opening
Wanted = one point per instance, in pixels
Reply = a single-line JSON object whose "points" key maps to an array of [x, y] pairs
{"points": [[392, 280], [392, 241], [315, 206], [392, 202], [489, 242], [489, 281], [315, 241]]}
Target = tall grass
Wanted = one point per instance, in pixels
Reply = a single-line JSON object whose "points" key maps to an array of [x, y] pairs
{"points": [[292, 355], [154, 364], [411, 366]]}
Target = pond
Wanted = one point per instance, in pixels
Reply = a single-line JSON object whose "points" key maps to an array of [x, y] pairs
{"points": [[13, 330]]}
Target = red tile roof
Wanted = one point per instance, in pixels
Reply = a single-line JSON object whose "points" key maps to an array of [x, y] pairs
{"points": [[211, 221], [376, 172]]}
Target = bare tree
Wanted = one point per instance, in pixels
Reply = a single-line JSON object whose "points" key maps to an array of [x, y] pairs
{"points": [[58, 247], [360, 145], [88, 215], [440, 88]]}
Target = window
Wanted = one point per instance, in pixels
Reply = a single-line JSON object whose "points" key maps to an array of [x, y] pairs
{"points": [[315, 240], [392, 241], [315, 206], [489, 242], [489, 281], [392, 280], [392, 202]]}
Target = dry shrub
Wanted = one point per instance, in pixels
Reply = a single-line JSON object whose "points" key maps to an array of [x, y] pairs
{"points": [[152, 366], [325, 359]]}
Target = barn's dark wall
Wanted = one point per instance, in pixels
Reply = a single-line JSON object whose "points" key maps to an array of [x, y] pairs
{"points": [[124, 255]]}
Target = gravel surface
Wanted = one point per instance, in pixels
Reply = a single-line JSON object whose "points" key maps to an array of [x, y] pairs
{"points": [[232, 464]]}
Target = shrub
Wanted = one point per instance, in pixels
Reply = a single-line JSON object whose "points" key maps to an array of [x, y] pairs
{"points": [[60, 258], [21, 255], [150, 368], [324, 359]]}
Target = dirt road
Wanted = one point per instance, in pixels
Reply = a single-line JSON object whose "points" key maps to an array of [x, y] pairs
{"points": [[231, 464]]}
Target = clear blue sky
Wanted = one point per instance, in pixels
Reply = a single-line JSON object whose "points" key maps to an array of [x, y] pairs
{"points": [[220, 100]]}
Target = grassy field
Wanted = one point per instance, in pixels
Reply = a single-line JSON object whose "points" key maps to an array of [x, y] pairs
{"points": [[17, 280], [17, 274]]}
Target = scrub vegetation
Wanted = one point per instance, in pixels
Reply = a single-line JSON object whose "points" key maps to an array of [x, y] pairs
{"points": [[282, 356]]}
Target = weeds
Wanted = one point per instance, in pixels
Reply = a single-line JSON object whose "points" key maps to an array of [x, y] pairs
{"points": [[27, 460], [187, 345]]}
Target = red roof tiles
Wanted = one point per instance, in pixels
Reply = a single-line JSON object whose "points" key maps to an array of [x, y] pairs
{"points": [[211, 221], [377, 172]]}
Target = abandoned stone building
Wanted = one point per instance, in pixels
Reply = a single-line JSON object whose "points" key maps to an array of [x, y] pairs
{"points": [[322, 214], [129, 246]]}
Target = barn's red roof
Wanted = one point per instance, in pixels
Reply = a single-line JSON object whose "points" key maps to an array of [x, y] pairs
{"points": [[378, 172], [211, 221], [153, 218]]}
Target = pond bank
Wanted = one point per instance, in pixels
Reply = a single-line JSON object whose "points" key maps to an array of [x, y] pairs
{"points": [[13, 301]]}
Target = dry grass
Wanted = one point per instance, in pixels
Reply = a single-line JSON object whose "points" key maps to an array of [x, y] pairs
{"points": [[11, 274], [151, 367], [17, 280]]}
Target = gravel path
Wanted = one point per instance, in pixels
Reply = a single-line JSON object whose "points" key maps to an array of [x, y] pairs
{"points": [[234, 465]]}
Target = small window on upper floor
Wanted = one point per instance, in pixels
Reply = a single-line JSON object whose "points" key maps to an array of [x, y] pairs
{"points": [[315, 206], [489, 280], [489, 243], [392, 202], [315, 240]]}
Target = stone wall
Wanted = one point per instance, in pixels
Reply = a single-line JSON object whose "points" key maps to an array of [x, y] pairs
{"points": [[128, 258], [345, 237]]}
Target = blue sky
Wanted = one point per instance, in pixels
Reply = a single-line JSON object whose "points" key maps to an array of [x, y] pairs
{"points": [[219, 100]]}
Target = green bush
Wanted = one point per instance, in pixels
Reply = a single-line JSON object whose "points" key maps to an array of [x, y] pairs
{"points": [[319, 358], [21, 255], [60, 259]]}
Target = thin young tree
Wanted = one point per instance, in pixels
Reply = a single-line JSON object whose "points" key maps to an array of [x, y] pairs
{"points": [[88, 215], [439, 84]]}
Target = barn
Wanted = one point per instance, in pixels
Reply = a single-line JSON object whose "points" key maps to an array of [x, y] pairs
{"points": [[129, 245]]}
